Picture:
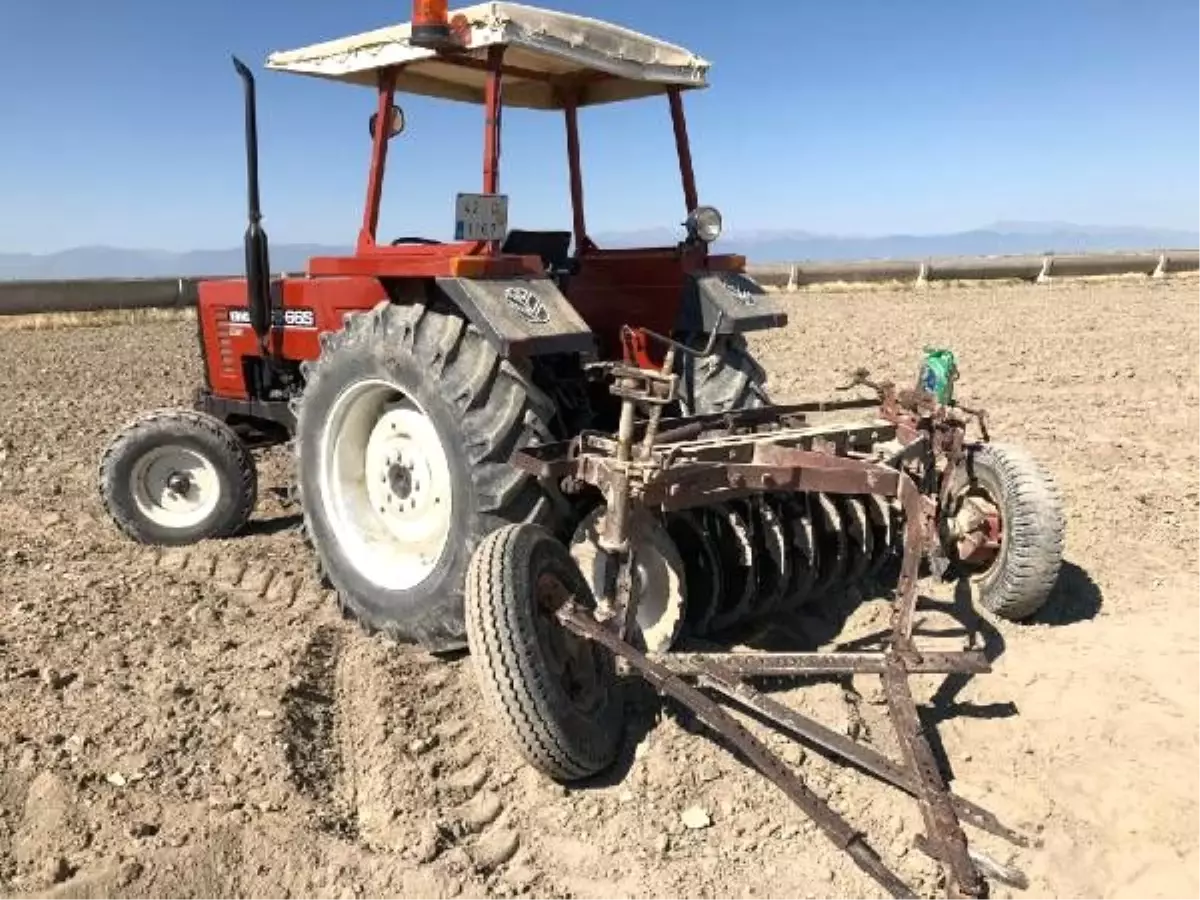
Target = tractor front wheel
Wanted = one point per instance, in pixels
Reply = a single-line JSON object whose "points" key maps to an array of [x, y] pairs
{"points": [[177, 476], [403, 436]]}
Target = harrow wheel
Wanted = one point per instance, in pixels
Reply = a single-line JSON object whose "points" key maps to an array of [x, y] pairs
{"points": [[403, 435], [658, 576], [177, 476], [553, 692], [1004, 529]]}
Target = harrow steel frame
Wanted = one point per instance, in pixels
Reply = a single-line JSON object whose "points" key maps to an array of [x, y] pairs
{"points": [[697, 461]]}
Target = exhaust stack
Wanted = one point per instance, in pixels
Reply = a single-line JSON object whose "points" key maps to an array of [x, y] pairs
{"points": [[258, 266]]}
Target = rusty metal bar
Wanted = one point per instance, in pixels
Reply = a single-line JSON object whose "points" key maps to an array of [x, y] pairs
{"points": [[836, 663], [719, 678], [837, 829], [946, 839]]}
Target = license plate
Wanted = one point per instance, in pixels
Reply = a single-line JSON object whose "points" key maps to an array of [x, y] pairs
{"points": [[480, 217]]}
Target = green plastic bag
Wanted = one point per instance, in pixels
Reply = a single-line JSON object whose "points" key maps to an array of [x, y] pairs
{"points": [[937, 374]]}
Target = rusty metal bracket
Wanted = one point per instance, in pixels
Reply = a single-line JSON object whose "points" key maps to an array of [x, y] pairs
{"points": [[837, 829]]}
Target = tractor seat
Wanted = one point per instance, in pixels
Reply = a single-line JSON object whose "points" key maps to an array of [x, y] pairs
{"points": [[552, 246]]}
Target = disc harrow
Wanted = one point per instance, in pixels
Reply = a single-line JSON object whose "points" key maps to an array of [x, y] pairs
{"points": [[777, 552], [713, 520]]}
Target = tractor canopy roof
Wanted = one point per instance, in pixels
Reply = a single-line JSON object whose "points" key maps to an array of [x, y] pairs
{"points": [[546, 51]]}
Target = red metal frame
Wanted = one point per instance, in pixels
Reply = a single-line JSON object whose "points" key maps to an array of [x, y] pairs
{"points": [[683, 148], [379, 148], [611, 288], [424, 261]]}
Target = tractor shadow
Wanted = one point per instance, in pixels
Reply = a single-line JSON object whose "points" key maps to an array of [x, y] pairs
{"points": [[273, 524], [1075, 598]]}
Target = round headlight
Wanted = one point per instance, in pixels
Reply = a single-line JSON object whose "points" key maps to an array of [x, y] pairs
{"points": [[704, 222]]}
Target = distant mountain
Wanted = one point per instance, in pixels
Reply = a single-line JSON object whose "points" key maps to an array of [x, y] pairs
{"points": [[997, 239], [119, 262], [760, 246]]}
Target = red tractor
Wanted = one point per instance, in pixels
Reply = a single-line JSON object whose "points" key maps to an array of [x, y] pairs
{"points": [[409, 371]]}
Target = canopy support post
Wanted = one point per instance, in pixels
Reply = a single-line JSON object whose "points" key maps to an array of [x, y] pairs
{"points": [[379, 145], [682, 148]]}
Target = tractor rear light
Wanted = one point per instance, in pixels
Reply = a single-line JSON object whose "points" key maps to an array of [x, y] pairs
{"points": [[430, 24]]}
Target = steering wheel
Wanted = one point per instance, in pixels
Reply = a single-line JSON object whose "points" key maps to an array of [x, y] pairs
{"points": [[415, 240]]}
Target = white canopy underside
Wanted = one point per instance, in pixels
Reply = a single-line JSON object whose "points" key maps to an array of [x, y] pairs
{"points": [[605, 62]]}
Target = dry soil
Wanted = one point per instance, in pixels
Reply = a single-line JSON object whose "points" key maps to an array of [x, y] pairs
{"points": [[204, 723]]}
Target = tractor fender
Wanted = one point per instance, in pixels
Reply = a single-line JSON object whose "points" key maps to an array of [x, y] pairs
{"points": [[743, 301], [521, 316]]}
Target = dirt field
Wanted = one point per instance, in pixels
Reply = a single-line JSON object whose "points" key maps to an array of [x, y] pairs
{"points": [[204, 723]]}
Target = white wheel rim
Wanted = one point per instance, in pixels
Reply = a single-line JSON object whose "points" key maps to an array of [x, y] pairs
{"points": [[385, 485], [175, 487]]}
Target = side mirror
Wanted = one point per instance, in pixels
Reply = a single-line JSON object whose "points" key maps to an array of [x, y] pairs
{"points": [[395, 122]]}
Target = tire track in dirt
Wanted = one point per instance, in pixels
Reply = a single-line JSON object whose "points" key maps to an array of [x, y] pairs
{"points": [[415, 767], [311, 718], [374, 733]]}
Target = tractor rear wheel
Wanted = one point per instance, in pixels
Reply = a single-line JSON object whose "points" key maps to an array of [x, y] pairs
{"points": [[177, 476], [403, 436], [555, 693], [1004, 530]]}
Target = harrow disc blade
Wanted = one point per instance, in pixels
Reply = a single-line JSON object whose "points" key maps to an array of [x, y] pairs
{"points": [[658, 575], [702, 569], [774, 569], [830, 537], [731, 532], [879, 513], [859, 537], [802, 548]]}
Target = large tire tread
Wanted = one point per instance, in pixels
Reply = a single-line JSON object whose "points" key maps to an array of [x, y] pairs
{"points": [[499, 410], [229, 454], [504, 651], [1033, 507]]}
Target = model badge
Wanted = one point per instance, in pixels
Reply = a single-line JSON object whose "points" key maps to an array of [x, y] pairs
{"points": [[292, 317], [528, 304]]}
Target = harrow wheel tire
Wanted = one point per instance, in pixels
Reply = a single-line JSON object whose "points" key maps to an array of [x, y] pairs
{"points": [[177, 476], [1018, 581], [403, 435], [555, 693], [729, 379]]}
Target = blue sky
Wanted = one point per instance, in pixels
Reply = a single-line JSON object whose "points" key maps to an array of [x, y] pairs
{"points": [[120, 123]]}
